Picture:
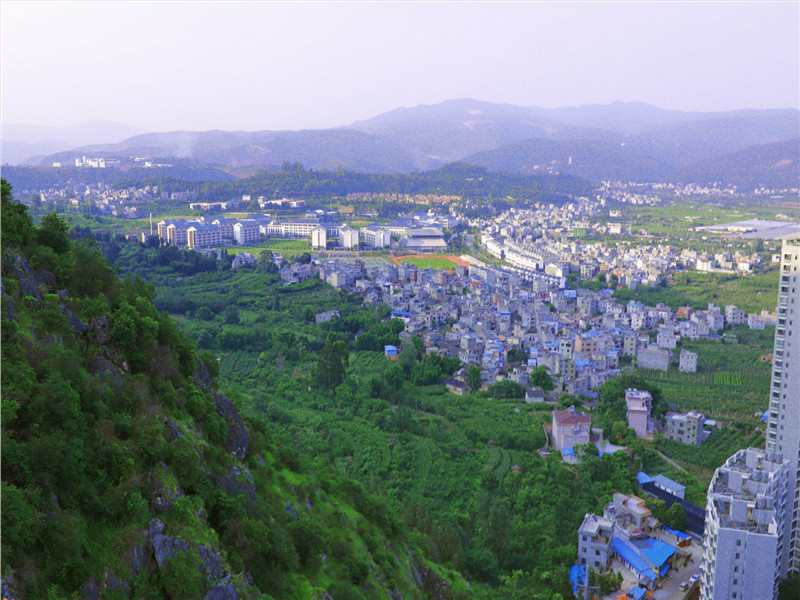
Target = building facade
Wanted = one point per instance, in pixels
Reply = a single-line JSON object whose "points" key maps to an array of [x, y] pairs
{"points": [[639, 403], [744, 533], [783, 424], [686, 428]]}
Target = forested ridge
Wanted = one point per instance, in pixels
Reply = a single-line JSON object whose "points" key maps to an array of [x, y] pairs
{"points": [[127, 473]]}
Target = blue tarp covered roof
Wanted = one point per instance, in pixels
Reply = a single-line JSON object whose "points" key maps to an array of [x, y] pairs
{"points": [[568, 452], [656, 551], [630, 556], [676, 533], [638, 593], [765, 416], [577, 576], [390, 350], [401, 313]]}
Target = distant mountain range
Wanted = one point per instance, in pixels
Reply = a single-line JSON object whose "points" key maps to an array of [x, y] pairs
{"points": [[625, 141], [28, 144]]}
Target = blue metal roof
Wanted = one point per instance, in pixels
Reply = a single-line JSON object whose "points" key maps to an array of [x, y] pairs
{"points": [[676, 533], [630, 556], [638, 593], [669, 484], [657, 552], [643, 477]]}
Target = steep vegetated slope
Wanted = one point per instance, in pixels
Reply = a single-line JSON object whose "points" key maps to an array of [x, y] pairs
{"points": [[126, 472]]}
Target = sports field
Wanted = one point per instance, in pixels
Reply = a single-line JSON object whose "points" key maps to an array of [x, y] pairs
{"points": [[437, 262]]}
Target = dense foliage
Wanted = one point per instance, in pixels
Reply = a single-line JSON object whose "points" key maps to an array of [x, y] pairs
{"points": [[125, 471], [464, 473]]}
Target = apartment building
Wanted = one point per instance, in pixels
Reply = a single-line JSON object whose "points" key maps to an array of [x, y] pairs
{"points": [[744, 531]]}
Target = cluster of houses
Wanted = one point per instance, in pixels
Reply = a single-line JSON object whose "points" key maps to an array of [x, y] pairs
{"points": [[571, 429], [547, 237]]}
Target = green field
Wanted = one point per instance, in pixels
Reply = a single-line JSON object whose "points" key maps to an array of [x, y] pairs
{"points": [[431, 262], [752, 293], [732, 382]]}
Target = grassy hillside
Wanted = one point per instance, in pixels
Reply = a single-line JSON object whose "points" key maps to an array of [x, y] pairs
{"points": [[126, 471]]}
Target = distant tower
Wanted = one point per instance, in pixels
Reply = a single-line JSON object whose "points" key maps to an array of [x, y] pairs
{"points": [[783, 426]]}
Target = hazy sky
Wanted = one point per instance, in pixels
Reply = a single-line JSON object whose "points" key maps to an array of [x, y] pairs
{"points": [[295, 65]]}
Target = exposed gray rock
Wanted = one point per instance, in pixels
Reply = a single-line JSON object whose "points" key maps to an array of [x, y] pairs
{"points": [[173, 432], [162, 495], [8, 588], [114, 582], [237, 441], [165, 547], [91, 591], [137, 556], [212, 563], [106, 370], [155, 527], [224, 591], [75, 322], [62, 294], [17, 267], [238, 481], [202, 376], [101, 329]]}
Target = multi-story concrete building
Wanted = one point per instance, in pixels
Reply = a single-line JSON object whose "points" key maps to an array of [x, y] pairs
{"points": [[783, 425], [744, 532], [653, 357], [688, 362], [225, 226], [247, 232], [595, 537], [319, 237], [570, 428], [735, 315], [203, 236], [639, 403], [375, 236], [686, 428], [348, 237]]}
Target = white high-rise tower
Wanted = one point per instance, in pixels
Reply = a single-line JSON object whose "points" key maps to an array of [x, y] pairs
{"points": [[752, 537], [783, 426]]}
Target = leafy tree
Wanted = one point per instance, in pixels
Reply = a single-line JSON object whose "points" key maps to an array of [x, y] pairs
{"points": [[506, 389], [474, 377], [675, 517], [332, 364], [541, 378]]}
